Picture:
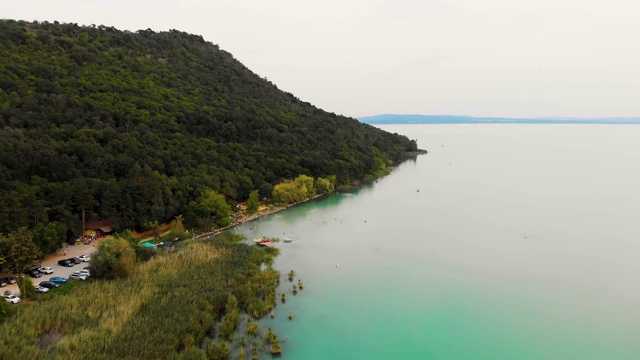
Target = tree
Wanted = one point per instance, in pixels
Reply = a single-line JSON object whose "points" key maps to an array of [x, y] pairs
{"points": [[177, 229], [324, 186], [49, 237], [19, 250], [115, 259], [210, 206], [27, 290], [253, 202]]}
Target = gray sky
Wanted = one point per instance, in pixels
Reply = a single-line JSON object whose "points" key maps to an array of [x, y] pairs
{"points": [[520, 58]]}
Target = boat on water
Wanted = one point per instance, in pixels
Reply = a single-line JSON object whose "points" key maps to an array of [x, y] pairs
{"points": [[263, 241]]}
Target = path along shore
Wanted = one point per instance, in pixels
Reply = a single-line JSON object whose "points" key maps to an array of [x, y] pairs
{"points": [[260, 214], [77, 250]]}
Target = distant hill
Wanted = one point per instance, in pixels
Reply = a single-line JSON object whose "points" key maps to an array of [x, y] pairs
{"points": [[461, 119], [131, 126]]}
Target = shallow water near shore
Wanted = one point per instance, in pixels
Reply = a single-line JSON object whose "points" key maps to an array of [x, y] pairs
{"points": [[504, 242]]}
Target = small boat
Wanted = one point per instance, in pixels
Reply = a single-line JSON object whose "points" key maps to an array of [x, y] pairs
{"points": [[263, 241], [286, 240]]}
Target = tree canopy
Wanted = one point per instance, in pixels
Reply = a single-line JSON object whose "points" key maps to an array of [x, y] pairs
{"points": [[133, 126]]}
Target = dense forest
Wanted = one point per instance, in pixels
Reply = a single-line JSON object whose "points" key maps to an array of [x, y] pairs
{"points": [[132, 126]]}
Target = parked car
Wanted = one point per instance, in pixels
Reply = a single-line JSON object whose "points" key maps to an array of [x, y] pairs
{"points": [[85, 272], [8, 280], [85, 258], [58, 280], [78, 276], [12, 299], [49, 284], [34, 273], [66, 262], [75, 260], [46, 270], [41, 289], [4, 282]]}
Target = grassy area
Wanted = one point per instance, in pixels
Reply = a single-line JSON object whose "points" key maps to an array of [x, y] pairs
{"points": [[170, 308]]}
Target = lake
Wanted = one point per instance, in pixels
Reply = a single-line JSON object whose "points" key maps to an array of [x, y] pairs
{"points": [[504, 242]]}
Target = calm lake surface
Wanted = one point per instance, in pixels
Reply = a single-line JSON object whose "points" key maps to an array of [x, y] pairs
{"points": [[504, 242]]}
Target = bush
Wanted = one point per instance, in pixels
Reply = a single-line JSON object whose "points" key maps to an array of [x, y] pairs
{"points": [[27, 290], [5, 310], [218, 350], [115, 259]]}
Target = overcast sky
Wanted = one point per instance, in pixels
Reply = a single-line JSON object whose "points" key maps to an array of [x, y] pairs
{"points": [[520, 58]]}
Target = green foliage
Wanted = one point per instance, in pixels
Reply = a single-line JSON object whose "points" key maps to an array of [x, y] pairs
{"points": [[252, 328], [19, 251], [191, 353], [231, 318], [177, 229], [27, 289], [290, 191], [325, 185], [49, 237], [114, 259], [209, 207], [133, 126], [218, 350], [128, 236], [165, 309], [5, 310], [253, 201]]}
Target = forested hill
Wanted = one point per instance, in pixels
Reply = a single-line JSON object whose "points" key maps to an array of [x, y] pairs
{"points": [[133, 125]]}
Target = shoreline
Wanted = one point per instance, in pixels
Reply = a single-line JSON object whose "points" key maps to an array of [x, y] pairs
{"points": [[257, 216]]}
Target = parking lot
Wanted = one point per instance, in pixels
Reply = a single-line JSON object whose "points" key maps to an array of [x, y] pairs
{"points": [[61, 271]]}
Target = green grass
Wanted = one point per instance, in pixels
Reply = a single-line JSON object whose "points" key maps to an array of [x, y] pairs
{"points": [[173, 303]]}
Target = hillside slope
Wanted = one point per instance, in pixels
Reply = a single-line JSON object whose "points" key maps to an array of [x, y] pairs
{"points": [[132, 126]]}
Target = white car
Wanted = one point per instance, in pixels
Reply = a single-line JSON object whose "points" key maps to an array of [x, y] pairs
{"points": [[84, 272], [12, 299], [46, 270], [78, 276], [41, 289], [85, 258]]}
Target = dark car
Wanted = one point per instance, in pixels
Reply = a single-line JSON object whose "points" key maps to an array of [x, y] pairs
{"points": [[75, 260], [3, 282], [9, 279], [66, 262], [49, 284], [33, 273]]}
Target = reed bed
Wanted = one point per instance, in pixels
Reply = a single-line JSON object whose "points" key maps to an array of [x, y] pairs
{"points": [[170, 307]]}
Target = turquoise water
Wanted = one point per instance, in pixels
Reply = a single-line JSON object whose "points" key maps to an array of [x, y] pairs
{"points": [[504, 242]]}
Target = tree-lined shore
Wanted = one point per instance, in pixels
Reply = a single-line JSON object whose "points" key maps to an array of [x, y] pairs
{"points": [[131, 127]]}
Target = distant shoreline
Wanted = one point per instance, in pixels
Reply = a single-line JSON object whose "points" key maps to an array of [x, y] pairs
{"points": [[391, 119]]}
